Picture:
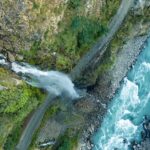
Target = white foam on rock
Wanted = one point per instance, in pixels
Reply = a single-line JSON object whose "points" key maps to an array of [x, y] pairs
{"points": [[3, 62], [130, 92], [126, 127]]}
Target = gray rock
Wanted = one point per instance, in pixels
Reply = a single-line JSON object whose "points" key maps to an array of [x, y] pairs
{"points": [[11, 57], [19, 57]]}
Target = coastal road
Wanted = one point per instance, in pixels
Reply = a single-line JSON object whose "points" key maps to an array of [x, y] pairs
{"points": [[34, 123], [92, 58]]}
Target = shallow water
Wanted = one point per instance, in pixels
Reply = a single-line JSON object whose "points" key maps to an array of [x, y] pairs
{"points": [[125, 114]]}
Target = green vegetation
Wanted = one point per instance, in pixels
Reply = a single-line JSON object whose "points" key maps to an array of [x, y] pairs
{"points": [[13, 138], [35, 5], [109, 10], [17, 101], [77, 32], [75, 4], [79, 35], [14, 100], [69, 140], [70, 44], [15, 105], [53, 110]]}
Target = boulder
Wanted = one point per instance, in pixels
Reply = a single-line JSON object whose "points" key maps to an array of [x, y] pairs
{"points": [[10, 57], [19, 57]]}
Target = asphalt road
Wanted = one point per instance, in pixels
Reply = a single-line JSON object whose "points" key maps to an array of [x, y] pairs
{"points": [[92, 59], [34, 123]]}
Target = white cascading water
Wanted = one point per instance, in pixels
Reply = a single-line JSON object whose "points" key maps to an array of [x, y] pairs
{"points": [[125, 114], [54, 82], [3, 60]]}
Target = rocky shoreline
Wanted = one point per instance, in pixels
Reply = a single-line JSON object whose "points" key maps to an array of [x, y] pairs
{"points": [[109, 83]]}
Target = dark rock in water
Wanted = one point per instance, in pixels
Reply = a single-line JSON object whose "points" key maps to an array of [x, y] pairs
{"points": [[146, 144]]}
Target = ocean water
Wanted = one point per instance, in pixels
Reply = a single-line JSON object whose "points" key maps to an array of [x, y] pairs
{"points": [[124, 117]]}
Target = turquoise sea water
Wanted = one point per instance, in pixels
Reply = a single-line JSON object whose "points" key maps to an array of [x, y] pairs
{"points": [[126, 111]]}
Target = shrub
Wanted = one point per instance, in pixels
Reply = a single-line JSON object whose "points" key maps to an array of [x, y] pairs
{"points": [[74, 4], [79, 35], [13, 138]]}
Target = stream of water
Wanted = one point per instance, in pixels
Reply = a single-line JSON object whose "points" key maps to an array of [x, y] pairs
{"points": [[125, 114]]}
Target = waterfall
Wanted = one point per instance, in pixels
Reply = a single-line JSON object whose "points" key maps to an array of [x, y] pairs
{"points": [[53, 82]]}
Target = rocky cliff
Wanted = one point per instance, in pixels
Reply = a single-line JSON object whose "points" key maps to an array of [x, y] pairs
{"points": [[51, 31]]}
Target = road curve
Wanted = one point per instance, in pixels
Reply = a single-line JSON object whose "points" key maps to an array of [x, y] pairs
{"points": [[34, 123], [92, 58]]}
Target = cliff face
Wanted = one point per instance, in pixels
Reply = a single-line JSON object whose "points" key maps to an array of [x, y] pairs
{"points": [[43, 28], [24, 22]]}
